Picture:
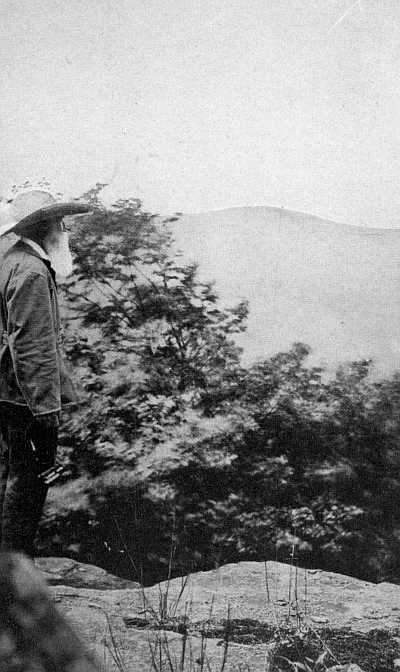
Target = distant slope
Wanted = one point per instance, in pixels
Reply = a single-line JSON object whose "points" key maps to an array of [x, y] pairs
{"points": [[333, 286]]}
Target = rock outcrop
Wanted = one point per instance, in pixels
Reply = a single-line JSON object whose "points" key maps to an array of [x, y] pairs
{"points": [[69, 572], [242, 616]]}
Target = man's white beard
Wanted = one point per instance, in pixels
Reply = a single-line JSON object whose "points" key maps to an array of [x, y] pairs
{"points": [[57, 247]]}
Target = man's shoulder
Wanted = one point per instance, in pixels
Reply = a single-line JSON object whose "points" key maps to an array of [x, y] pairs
{"points": [[20, 260]]}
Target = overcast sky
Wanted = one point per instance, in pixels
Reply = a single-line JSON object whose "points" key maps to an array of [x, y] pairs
{"points": [[194, 105]]}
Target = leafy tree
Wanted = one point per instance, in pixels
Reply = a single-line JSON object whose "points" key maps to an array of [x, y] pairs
{"points": [[144, 328], [149, 344], [181, 454]]}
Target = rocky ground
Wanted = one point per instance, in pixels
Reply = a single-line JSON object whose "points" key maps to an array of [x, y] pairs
{"points": [[245, 616]]}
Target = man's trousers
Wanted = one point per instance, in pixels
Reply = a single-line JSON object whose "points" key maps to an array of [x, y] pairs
{"points": [[26, 450]]}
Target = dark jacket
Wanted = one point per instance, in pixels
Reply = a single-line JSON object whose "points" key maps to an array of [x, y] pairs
{"points": [[32, 371]]}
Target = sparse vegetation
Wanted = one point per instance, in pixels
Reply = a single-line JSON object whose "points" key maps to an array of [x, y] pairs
{"points": [[298, 647], [183, 459], [177, 439]]}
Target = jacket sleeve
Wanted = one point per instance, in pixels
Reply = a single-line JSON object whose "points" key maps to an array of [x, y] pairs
{"points": [[33, 342]]}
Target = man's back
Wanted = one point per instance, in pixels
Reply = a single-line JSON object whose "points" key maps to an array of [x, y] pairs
{"points": [[29, 332]]}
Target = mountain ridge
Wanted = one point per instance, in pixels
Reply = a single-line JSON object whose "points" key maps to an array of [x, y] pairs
{"points": [[280, 209], [333, 286]]}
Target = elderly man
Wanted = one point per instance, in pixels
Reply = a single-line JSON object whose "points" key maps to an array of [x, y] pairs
{"points": [[34, 384]]}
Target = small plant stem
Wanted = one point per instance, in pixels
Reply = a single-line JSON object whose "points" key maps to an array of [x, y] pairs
{"points": [[267, 583], [114, 651], [226, 639], [305, 594], [325, 646], [298, 612], [184, 640], [290, 586], [122, 540], [166, 648]]}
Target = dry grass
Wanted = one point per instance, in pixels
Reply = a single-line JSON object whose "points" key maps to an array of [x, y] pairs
{"points": [[291, 642]]}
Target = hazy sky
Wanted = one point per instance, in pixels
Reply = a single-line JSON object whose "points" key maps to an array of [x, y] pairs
{"points": [[195, 105]]}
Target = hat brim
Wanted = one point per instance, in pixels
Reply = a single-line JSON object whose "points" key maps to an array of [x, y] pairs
{"points": [[54, 211]]}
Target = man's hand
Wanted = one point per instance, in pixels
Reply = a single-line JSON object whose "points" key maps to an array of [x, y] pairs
{"points": [[49, 420]]}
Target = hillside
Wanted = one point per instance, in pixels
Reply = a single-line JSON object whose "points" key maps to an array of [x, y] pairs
{"points": [[333, 286]]}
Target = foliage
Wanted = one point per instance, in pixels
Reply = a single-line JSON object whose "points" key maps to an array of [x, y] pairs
{"points": [[180, 454]]}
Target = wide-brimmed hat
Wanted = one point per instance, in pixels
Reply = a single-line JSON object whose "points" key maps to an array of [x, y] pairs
{"points": [[30, 207]]}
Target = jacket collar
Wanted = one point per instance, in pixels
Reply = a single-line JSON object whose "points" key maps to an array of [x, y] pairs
{"points": [[37, 248], [33, 248]]}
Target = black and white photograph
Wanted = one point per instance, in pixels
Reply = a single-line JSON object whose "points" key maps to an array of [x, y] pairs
{"points": [[200, 336]]}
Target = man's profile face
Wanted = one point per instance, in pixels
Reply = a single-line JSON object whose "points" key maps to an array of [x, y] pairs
{"points": [[55, 227], [56, 244]]}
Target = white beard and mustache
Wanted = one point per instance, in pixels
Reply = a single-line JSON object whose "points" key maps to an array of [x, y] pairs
{"points": [[57, 248]]}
